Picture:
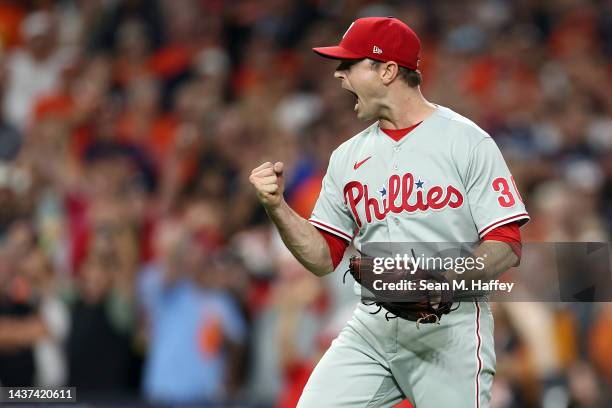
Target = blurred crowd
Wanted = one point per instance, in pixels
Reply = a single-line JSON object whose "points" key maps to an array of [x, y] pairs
{"points": [[135, 261]]}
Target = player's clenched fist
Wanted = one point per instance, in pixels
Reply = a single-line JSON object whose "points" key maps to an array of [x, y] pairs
{"points": [[269, 183]]}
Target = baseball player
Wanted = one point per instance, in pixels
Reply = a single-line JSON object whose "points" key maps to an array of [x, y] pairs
{"points": [[420, 173]]}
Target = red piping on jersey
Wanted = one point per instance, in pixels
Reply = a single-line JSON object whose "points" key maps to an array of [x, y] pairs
{"points": [[479, 360], [331, 229], [503, 221]]}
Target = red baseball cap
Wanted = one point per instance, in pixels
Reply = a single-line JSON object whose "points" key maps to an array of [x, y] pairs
{"points": [[379, 38]]}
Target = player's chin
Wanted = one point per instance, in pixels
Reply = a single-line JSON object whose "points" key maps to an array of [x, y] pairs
{"points": [[364, 115]]}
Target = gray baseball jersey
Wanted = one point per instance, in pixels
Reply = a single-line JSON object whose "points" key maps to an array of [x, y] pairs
{"points": [[446, 181]]}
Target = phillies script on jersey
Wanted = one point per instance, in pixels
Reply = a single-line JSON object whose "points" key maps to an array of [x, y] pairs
{"points": [[402, 188]]}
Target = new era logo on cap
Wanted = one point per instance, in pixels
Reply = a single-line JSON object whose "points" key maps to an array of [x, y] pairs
{"points": [[368, 37]]}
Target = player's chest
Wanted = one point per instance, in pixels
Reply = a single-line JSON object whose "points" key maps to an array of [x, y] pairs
{"points": [[400, 180]]}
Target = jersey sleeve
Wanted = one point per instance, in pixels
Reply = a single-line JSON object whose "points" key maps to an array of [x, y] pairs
{"points": [[330, 212], [337, 246], [492, 193]]}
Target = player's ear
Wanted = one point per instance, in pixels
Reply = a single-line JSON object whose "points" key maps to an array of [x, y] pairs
{"points": [[389, 72]]}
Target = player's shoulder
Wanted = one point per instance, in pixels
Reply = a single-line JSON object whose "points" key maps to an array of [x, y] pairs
{"points": [[459, 125], [355, 143]]}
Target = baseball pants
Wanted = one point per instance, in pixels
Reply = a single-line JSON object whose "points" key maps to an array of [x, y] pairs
{"points": [[378, 363]]}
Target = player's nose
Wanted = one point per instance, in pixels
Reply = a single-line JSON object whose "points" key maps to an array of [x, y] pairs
{"points": [[339, 74]]}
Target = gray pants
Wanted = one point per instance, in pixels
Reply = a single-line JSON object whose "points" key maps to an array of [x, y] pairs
{"points": [[377, 363]]}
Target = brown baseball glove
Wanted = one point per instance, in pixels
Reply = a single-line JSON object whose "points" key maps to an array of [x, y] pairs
{"points": [[426, 305]]}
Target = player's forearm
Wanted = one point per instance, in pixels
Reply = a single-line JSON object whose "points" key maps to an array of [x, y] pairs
{"points": [[497, 257], [302, 239]]}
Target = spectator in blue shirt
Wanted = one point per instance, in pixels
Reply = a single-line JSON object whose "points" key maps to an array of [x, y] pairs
{"points": [[195, 329]]}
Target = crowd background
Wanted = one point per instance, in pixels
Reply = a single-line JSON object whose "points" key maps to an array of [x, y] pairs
{"points": [[135, 261]]}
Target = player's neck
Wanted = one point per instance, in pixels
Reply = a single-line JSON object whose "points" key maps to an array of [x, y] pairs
{"points": [[404, 110]]}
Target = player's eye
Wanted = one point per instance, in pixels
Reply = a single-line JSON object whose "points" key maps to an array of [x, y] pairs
{"points": [[347, 64]]}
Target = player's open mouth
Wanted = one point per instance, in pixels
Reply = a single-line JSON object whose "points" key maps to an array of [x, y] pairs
{"points": [[356, 98]]}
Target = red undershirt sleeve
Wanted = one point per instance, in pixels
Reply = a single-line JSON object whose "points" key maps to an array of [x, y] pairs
{"points": [[336, 245], [509, 233]]}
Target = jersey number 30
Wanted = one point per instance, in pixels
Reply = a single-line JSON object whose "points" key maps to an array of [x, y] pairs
{"points": [[506, 198]]}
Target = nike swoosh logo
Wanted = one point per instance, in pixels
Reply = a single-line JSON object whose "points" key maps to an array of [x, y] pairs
{"points": [[358, 164]]}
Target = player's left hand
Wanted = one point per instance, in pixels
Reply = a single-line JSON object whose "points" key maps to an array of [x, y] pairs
{"points": [[420, 305]]}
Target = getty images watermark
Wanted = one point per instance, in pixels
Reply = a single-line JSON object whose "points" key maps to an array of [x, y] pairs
{"points": [[548, 272], [404, 263]]}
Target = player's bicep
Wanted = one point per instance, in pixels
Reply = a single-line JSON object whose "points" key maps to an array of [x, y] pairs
{"points": [[493, 195]]}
